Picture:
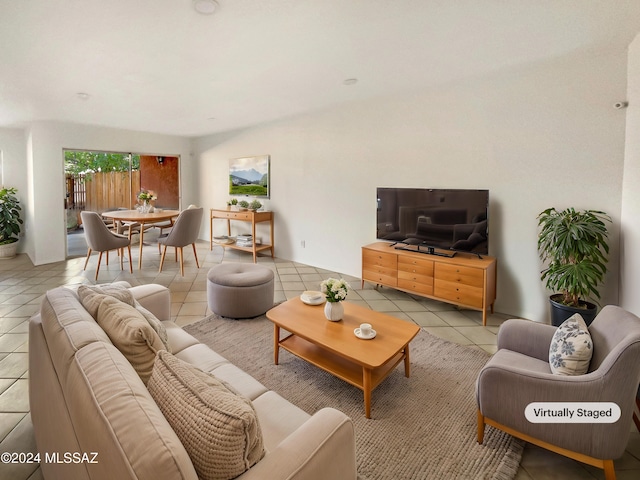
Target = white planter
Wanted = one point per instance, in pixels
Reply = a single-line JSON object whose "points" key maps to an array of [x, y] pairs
{"points": [[334, 311], [8, 250]]}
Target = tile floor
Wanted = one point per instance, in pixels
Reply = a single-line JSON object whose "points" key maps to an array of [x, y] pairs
{"points": [[22, 286]]}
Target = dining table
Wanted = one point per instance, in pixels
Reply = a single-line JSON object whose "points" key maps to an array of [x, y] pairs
{"points": [[143, 218]]}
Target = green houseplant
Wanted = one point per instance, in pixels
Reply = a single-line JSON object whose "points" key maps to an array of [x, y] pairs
{"points": [[10, 221], [573, 245]]}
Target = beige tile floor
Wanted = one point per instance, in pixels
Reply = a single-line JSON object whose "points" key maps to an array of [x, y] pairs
{"points": [[22, 286]]}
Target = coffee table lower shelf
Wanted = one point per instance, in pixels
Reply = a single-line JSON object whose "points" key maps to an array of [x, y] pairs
{"points": [[360, 376]]}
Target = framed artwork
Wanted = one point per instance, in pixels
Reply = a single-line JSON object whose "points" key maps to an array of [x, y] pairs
{"points": [[250, 176]]}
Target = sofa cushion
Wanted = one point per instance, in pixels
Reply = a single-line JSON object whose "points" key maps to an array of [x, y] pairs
{"points": [[92, 296], [218, 428], [113, 414], [571, 348], [68, 324], [130, 332]]}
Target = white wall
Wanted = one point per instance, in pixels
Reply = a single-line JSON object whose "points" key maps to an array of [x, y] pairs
{"points": [[536, 137], [45, 229], [12, 146], [630, 230]]}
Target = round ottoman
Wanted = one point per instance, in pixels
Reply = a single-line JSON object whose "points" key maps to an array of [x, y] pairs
{"points": [[240, 290]]}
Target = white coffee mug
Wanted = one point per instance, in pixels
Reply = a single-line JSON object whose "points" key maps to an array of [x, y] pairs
{"points": [[365, 329]]}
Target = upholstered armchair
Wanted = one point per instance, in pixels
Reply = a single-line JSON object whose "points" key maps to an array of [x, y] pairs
{"points": [[519, 374]]}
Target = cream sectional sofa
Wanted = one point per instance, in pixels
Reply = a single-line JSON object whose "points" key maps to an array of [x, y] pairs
{"points": [[94, 418]]}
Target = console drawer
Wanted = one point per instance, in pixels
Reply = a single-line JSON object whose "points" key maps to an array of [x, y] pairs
{"points": [[236, 215], [415, 286], [415, 265], [458, 293], [458, 274], [380, 278], [415, 277], [379, 259]]}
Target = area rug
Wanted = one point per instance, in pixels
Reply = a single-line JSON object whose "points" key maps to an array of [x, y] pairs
{"points": [[422, 427]]}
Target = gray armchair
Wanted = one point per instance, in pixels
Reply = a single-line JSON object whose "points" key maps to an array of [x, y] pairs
{"points": [[184, 232], [519, 374], [101, 239]]}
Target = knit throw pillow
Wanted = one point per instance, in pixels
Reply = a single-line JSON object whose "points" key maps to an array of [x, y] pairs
{"points": [[218, 427], [571, 348]]}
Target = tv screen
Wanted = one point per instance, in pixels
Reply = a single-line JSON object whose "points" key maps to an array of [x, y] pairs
{"points": [[447, 219]]}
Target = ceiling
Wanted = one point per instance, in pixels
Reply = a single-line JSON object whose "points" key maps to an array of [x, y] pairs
{"points": [[158, 66]]}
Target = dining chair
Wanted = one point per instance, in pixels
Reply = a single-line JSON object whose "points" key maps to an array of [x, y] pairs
{"points": [[101, 239], [184, 232]]}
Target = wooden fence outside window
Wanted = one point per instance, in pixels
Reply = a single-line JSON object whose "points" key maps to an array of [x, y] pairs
{"points": [[102, 191]]}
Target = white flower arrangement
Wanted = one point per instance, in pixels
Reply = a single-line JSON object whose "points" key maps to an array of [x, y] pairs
{"points": [[335, 290]]}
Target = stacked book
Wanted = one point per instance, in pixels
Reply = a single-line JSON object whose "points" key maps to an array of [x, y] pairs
{"points": [[246, 240]]}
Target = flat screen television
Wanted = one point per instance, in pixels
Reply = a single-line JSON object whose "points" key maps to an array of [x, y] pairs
{"points": [[443, 219]]}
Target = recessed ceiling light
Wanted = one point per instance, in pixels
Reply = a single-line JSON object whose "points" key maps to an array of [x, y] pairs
{"points": [[205, 7], [350, 81], [82, 96]]}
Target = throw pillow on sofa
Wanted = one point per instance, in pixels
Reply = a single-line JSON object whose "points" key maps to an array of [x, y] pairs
{"points": [[218, 427], [156, 324], [571, 347], [92, 296], [130, 332]]}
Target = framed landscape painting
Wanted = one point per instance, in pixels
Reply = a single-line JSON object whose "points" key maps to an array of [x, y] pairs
{"points": [[250, 176]]}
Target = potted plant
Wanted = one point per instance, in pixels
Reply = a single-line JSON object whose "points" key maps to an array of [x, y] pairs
{"points": [[574, 246], [243, 204], [255, 205], [10, 222]]}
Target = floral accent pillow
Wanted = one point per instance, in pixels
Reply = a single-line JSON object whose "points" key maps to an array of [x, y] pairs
{"points": [[571, 348]]}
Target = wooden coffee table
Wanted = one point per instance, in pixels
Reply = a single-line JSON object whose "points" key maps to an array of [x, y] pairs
{"points": [[333, 346]]}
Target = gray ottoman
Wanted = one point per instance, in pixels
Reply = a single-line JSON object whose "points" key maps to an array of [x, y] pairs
{"points": [[240, 290]]}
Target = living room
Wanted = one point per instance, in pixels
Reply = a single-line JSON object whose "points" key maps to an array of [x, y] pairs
{"points": [[536, 133], [540, 134]]}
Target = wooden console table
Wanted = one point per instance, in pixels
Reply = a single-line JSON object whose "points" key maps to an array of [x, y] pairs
{"points": [[243, 216], [464, 280]]}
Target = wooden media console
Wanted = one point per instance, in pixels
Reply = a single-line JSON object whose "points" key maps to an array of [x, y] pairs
{"points": [[465, 279]]}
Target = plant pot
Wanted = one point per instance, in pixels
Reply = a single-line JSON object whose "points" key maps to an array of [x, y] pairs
{"points": [[560, 312], [8, 250]]}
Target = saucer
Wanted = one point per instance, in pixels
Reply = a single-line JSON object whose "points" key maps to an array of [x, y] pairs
{"points": [[312, 297], [368, 337]]}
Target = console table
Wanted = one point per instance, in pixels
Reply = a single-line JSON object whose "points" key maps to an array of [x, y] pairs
{"points": [[243, 216], [464, 280]]}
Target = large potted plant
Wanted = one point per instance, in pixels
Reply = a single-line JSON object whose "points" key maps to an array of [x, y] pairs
{"points": [[573, 244], [10, 222]]}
